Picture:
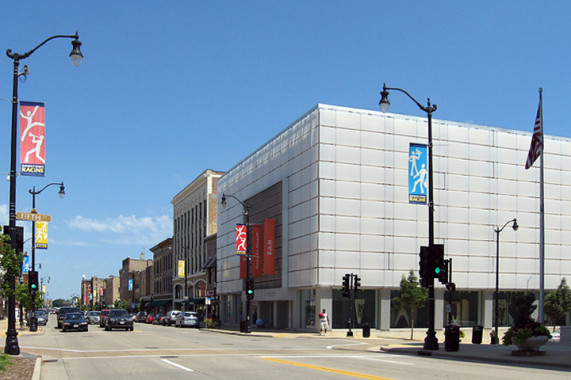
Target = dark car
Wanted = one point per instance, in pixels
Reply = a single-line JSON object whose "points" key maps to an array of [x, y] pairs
{"points": [[74, 322], [118, 319], [102, 317], [141, 316], [42, 317], [63, 311], [158, 319]]}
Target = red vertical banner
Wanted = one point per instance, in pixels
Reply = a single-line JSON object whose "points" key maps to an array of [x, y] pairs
{"points": [[241, 239], [32, 139], [243, 267], [257, 248], [269, 246]]}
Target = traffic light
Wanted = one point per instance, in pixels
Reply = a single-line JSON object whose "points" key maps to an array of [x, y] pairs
{"points": [[424, 271], [33, 280], [346, 290], [438, 261], [443, 275], [357, 283], [250, 288], [451, 286]]}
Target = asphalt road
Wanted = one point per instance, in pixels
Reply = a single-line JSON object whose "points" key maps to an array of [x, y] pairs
{"points": [[157, 352]]}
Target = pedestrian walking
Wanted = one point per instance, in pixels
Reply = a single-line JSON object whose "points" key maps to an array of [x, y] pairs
{"points": [[324, 319]]}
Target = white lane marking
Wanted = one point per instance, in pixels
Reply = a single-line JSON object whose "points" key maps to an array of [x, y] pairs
{"points": [[177, 365]]}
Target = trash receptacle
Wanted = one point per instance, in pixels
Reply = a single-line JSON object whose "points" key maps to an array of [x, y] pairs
{"points": [[366, 330], [452, 338], [477, 332]]}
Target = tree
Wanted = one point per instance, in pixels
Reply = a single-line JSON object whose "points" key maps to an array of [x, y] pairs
{"points": [[557, 303], [24, 297], [412, 297], [11, 262]]}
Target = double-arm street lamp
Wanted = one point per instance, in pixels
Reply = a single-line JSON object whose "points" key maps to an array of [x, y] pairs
{"points": [[246, 207], [33, 324], [430, 342], [76, 56], [497, 230]]}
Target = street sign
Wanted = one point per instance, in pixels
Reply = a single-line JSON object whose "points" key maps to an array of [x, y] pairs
{"points": [[34, 217]]}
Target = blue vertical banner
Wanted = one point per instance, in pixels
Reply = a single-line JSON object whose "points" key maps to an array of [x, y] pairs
{"points": [[26, 264], [130, 284], [417, 173]]}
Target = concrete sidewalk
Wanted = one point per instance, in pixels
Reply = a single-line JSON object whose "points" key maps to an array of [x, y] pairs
{"points": [[557, 355], [24, 330]]}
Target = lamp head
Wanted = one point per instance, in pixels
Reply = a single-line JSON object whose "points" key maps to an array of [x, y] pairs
{"points": [[76, 55], [61, 191], [384, 104], [515, 226]]}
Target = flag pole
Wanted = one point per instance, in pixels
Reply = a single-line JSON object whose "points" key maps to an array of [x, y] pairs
{"points": [[541, 216]]}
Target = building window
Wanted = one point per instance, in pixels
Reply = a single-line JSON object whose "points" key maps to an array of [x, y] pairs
{"points": [[401, 319]]}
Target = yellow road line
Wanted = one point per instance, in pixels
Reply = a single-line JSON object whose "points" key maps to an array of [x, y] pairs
{"points": [[338, 371]]}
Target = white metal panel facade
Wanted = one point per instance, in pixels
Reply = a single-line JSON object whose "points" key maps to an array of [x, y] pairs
{"points": [[346, 171]]}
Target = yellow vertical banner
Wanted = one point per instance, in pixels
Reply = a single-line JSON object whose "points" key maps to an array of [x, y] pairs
{"points": [[181, 269], [41, 235]]}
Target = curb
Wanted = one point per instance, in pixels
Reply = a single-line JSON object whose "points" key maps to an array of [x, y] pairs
{"points": [[37, 375]]}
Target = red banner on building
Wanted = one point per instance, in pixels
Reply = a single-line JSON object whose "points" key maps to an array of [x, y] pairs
{"points": [[32, 139], [243, 267], [241, 239], [257, 248], [269, 246]]}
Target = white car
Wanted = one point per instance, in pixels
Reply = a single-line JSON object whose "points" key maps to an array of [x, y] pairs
{"points": [[187, 318], [170, 317], [555, 336]]}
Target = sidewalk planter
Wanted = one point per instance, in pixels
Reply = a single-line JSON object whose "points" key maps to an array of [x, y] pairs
{"points": [[533, 343]]}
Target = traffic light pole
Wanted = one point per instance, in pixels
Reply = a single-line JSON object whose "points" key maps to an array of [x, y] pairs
{"points": [[352, 301]]}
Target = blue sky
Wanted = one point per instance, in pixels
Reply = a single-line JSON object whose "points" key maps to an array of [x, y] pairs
{"points": [[167, 90]]}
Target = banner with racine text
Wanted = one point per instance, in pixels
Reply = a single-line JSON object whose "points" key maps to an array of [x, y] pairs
{"points": [[269, 246], [32, 139]]}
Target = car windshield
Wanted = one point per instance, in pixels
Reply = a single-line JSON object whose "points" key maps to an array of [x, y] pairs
{"points": [[118, 313], [73, 316], [189, 314], [40, 312], [94, 313]]}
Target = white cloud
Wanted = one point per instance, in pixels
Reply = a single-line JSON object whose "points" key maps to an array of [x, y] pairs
{"points": [[126, 229]]}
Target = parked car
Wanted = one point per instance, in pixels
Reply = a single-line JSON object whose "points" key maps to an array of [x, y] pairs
{"points": [[93, 317], [74, 321], [102, 317], [63, 311], [141, 316], [187, 318], [170, 317], [158, 319], [118, 319], [150, 318]]}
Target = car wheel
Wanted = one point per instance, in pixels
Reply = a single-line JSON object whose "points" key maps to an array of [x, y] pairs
{"points": [[107, 328], [86, 328], [131, 328], [62, 329]]}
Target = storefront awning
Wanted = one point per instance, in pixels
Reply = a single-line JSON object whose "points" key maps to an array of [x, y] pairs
{"points": [[211, 263], [160, 302]]}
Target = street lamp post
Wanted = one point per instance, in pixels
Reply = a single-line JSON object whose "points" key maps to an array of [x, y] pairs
{"points": [[248, 258], [497, 230], [34, 324], [12, 347], [430, 342]]}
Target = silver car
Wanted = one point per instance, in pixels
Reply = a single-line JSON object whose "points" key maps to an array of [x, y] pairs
{"points": [[93, 317], [187, 318]]}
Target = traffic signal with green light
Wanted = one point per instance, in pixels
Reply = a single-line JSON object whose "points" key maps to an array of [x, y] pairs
{"points": [[250, 288], [438, 261], [33, 280]]}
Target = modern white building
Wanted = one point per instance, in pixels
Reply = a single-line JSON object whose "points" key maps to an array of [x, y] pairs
{"points": [[336, 182]]}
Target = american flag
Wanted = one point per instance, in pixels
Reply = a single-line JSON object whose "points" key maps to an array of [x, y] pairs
{"points": [[536, 140]]}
